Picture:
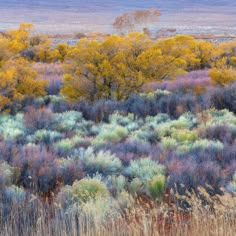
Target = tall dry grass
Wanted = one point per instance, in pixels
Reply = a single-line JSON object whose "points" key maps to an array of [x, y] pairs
{"points": [[204, 216]]}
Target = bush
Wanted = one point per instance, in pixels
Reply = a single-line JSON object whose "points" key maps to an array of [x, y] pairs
{"points": [[156, 186], [11, 126], [6, 173], [14, 194], [232, 185], [35, 119], [87, 189], [111, 133], [223, 133], [67, 121], [184, 136], [102, 162], [144, 169], [45, 136], [67, 144]]}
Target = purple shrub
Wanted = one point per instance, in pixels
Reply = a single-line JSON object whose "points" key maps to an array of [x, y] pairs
{"points": [[132, 150], [35, 119], [222, 133], [185, 83]]}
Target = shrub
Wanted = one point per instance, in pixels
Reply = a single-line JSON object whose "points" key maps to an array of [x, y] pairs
{"points": [[102, 162], [232, 185], [14, 194], [145, 169], [200, 144], [186, 120], [44, 136], [131, 150], [67, 121], [168, 143], [6, 173], [117, 118], [87, 189], [116, 184], [111, 133], [156, 186], [184, 135], [11, 126], [68, 143], [223, 133], [35, 119], [136, 186]]}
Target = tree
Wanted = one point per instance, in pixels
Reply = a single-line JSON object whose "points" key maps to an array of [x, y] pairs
{"points": [[136, 20], [104, 70], [19, 38], [43, 49], [18, 80], [223, 73]]}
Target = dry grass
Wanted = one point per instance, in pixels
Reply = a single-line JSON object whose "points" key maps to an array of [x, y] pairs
{"points": [[218, 217]]}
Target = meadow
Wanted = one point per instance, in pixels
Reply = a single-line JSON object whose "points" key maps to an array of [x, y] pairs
{"points": [[95, 140]]}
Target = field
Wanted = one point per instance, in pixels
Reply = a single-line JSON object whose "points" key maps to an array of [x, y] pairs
{"points": [[116, 134]]}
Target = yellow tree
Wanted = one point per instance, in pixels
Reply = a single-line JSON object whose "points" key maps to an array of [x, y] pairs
{"points": [[104, 70], [19, 80], [81, 79], [19, 38], [223, 73], [59, 52], [43, 49]]}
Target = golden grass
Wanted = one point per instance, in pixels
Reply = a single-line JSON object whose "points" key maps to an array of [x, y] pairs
{"points": [[217, 217]]}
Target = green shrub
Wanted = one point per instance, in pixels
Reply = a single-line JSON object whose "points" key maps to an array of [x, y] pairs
{"points": [[116, 184], [184, 135], [111, 133], [67, 121], [185, 121], [157, 120], [218, 117], [168, 143], [11, 126], [136, 186], [45, 136], [144, 169], [6, 173], [15, 194], [102, 162], [201, 144], [118, 119], [68, 143], [156, 186], [88, 189], [232, 185]]}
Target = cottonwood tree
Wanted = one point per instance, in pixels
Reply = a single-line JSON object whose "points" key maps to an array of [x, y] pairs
{"points": [[137, 20], [17, 81], [104, 70]]}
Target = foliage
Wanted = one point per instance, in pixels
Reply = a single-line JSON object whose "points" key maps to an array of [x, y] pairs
{"points": [[111, 133], [133, 21], [6, 173], [145, 169], [88, 189], [101, 162], [156, 186]]}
